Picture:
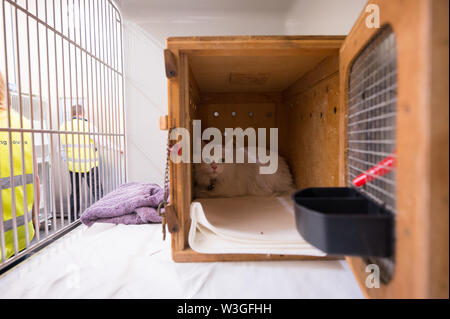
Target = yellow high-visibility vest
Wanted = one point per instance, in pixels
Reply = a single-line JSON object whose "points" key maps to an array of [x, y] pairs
{"points": [[80, 151], [23, 214]]}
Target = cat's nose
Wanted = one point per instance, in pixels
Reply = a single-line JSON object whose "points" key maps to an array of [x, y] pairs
{"points": [[214, 167]]}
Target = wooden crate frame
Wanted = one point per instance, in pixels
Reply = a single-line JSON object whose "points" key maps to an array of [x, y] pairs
{"points": [[179, 116]]}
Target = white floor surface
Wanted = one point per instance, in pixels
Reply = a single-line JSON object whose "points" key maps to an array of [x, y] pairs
{"points": [[119, 261]]}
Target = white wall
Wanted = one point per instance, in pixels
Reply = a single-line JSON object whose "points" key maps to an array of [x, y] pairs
{"points": [[145, 101], [147, 23]]}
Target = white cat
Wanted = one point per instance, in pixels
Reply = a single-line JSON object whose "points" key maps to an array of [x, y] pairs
{"points": [[239, 179]]}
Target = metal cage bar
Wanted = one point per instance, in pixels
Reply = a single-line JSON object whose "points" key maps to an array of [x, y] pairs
{"points": [[62, 62]]}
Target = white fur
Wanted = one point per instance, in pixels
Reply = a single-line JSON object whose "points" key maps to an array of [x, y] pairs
{"points": [[235, 179]]}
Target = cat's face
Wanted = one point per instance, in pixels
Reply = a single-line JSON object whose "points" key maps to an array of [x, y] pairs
{"points": [[211, 169]]}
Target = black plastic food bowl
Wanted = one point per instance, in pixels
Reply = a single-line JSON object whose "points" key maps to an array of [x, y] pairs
{"points": [[342, 221]]}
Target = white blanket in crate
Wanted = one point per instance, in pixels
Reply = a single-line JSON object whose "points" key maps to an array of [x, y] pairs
{"points": [[248, 224]]}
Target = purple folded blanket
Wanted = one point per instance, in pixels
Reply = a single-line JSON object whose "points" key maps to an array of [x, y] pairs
{"points": [[131, 203]]}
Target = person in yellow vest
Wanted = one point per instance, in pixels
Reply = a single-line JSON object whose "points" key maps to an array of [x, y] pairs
{"points": [[24, 211], [80, 152]]}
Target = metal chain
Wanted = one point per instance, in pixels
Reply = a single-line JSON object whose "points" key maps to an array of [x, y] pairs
{"points": [[166, 173], [164, 203]]}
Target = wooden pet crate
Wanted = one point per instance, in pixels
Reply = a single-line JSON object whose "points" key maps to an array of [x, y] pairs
{"points": [[300, 84]]}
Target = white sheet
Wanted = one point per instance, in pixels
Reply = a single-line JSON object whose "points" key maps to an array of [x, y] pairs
{"points": [[109, 261], [248, 224]]}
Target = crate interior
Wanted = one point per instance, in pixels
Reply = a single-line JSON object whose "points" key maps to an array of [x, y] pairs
{"points": [[296, 93]]}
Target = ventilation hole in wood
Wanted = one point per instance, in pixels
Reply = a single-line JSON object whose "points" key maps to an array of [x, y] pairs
{"points": [[233, 114], [310, 115], [335, 110], [321, 115], [250, 114], [216, 114]]}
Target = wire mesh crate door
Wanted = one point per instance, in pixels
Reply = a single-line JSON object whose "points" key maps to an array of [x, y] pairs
{"points": [[372, 107]]}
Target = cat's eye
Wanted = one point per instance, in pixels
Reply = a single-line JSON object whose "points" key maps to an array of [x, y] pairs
{"points": [[207, 160], [221, 160]]}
